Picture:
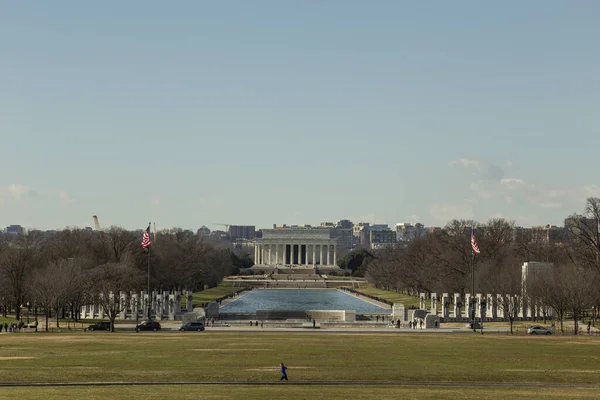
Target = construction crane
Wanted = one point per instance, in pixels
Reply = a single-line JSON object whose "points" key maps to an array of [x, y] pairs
{"points": [[225, 225], [96, 223]]}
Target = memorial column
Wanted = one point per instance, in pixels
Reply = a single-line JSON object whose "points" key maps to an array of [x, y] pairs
{"points": [[306, 254], [320, 254], [314, 254], [334, 254], [277, 253], [269, 258]]}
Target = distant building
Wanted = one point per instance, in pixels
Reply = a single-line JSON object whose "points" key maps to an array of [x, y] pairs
{"points": [[379, 227], [247, 232], [218, 236], [532, 271], [433, 229], [548, 234], [345, 224], [203, 231], [406, 231], [358, 228], [382, 238], [15, 230]]}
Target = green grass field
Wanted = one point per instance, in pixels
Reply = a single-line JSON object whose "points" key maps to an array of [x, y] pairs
{"points": [[290, 392], [391, 296], [211, 294], [254, 357]]}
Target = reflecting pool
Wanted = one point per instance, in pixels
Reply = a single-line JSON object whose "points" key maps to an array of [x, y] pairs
{"points": [[300, 300]]}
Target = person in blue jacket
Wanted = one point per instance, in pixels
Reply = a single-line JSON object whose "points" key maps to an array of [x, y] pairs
{"points": [[283, 368]]}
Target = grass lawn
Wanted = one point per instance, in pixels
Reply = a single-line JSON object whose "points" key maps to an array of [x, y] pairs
{"points": [[391, 296], [289, 392], [217, 356], [211, 294]]}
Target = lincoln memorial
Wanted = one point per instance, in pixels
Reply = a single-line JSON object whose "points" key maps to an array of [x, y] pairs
{"points": [[295, 246]]}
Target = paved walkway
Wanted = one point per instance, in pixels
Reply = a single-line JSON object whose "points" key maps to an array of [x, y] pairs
{"points": [[313, 383]]}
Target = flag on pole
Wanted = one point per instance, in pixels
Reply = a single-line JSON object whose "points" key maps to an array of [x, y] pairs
{"points": [[474, 243], [146, 239]]}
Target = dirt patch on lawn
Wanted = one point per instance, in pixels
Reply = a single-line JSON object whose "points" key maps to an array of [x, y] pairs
{"points": [[16, 358], [274, 368], [230, 350], [576, 371]]}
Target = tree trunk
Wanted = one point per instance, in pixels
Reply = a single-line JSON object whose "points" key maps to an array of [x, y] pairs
{"points": [[511, 324], [47, 320], [575, 323], [562, 328], [18, 311], [57, 317]]}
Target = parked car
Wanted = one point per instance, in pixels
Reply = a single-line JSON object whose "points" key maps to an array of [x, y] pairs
{"points": [[99, 326], [148, 326], [538, 330], [475, 325], [192, 326]]}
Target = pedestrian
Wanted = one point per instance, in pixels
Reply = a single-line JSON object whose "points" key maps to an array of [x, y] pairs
{"points": [[589, 326], [283, 369]]}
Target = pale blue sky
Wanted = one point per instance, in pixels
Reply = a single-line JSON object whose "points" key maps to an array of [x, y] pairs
{"points": [[191, 113]]}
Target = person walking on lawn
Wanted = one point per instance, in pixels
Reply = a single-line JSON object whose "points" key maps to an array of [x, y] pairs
{"points": [[283, 369]]}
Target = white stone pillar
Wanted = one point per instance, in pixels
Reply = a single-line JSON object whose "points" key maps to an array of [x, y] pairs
{"points": [[277, 253], [255, 253], [335, 254], [305, 254], [314, 255], [328, 254], [321, 254], [269, 246]]}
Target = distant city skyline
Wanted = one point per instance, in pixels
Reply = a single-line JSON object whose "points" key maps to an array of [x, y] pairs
{"points": [[264, 112]]}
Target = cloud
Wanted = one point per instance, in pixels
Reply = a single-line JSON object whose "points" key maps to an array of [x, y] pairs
{"points": [[442, 213], [481, 169], [1, 201], [65, 197], [412, 219], [489, 184], [21, 192], [371, 218]]}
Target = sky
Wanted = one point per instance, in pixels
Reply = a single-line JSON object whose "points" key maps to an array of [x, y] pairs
{"points": [[194, 113]]}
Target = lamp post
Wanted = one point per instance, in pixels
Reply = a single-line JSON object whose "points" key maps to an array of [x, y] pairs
{"points": [[28, 311]]}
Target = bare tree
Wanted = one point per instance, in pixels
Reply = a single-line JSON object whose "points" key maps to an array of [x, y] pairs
{"points": [[16, 264], [105, 284], [507, 283], [550, 292], [584, 234], [42, 290]]}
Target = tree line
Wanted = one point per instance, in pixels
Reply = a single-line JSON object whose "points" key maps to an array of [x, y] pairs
{"points": [[441, 262], [62, 272]]}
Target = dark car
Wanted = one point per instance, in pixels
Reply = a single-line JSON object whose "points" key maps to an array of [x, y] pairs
{"points": [[99, 326], [148, 326], [192, 326], [475, 325]]}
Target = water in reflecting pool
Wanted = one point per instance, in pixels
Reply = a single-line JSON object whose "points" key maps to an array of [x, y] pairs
{"points": [[300, 300]]}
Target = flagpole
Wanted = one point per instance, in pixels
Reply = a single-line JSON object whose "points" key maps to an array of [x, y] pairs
{"points": [[472, 279], [149, 297]]}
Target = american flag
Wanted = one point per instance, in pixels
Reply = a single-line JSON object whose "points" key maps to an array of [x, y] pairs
{"points": [[146, 238], [474, 243]]}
